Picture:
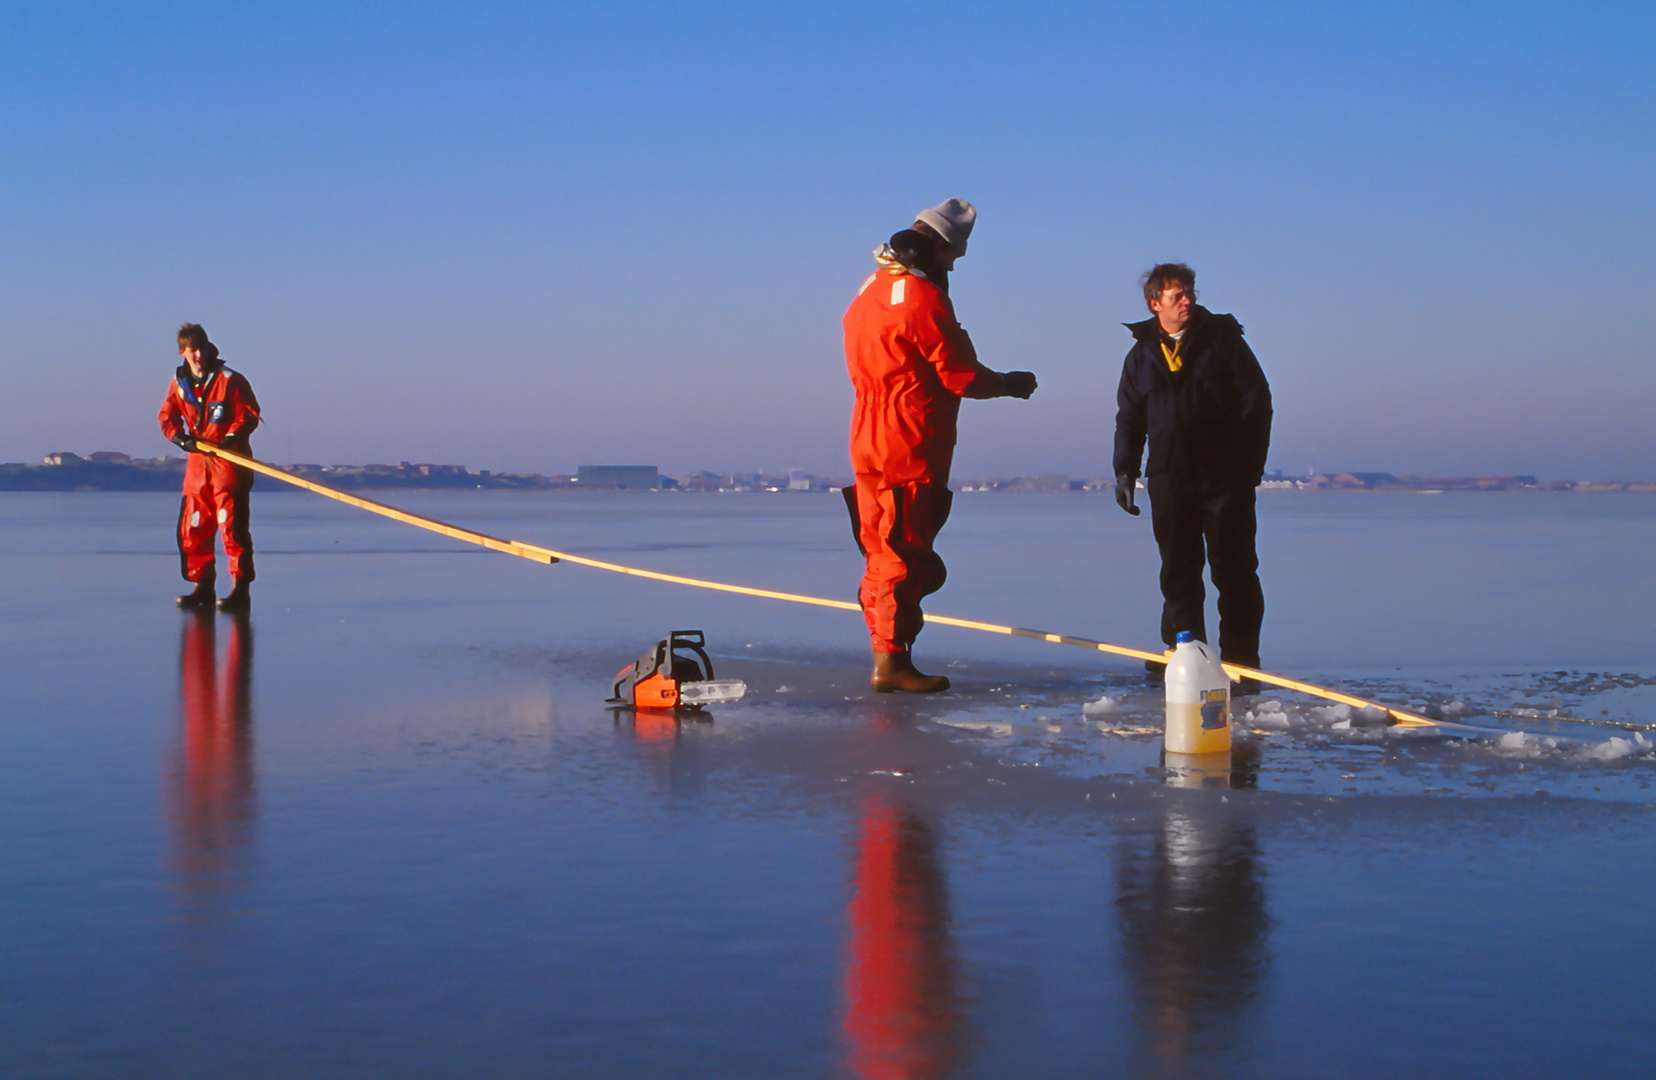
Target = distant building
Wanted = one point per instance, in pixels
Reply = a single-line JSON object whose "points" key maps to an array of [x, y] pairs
{"points": [[109, 455], [800, 480], [625, 477], [701, 481], [1502, 483], [61, 457]]}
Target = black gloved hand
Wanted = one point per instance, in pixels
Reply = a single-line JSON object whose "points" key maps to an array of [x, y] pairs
{"points": [[1124, 494], [1019, 384], [185, 442]]}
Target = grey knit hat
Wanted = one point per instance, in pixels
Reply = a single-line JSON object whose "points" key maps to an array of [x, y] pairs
{"points": [[953, 219]]}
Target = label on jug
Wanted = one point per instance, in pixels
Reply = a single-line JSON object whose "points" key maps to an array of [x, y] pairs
{"points": [[1214, 709], [1199, 728]]}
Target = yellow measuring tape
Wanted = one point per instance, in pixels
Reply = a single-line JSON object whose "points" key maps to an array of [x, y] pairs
{"points": [[547, 555]]}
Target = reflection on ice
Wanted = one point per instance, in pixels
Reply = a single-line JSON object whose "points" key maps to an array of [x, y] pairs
{"points": [[658, 736], [1194, 933], [1236, 769], [902, 1013], [211, 786]]}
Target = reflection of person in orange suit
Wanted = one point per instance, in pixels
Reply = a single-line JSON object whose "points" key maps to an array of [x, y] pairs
{"points": [[213, 782], [1195, 934], [903, 1017]]}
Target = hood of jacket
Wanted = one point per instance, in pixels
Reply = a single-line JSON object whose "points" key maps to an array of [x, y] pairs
{"points": [[209, 368], [1203, 325]]}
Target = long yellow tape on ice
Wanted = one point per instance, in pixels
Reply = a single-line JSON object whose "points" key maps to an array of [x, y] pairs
{"points": [[1398, 717]]}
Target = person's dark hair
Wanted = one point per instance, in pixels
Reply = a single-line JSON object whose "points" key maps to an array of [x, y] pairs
{"points": [[192, 334], [916, 248], [1162, 275], [910, 246]]}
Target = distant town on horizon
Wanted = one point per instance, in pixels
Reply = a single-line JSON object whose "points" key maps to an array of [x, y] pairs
{"points": [[108, 470]]}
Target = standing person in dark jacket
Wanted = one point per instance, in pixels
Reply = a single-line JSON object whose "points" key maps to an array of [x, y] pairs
{"points": [[1192, 387]]}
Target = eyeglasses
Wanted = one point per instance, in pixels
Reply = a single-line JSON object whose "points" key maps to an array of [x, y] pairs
{"points": [[1173, 296]]}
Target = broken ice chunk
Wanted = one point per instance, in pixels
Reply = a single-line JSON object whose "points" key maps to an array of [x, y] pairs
{"points": [[1103, 705]]}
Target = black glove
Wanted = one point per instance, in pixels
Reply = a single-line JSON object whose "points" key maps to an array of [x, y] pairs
{"points": [[185, 442], [1124, 494], [1019, 384]]}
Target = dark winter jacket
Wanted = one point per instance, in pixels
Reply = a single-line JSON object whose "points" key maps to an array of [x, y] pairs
{"points": [[1210, 419]]}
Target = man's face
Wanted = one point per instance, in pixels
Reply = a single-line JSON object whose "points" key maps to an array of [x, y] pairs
{"points": [[1172, 307], [192, 357]]}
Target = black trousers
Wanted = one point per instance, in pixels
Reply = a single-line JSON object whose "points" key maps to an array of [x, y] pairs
{"points": [[1209, 519]]}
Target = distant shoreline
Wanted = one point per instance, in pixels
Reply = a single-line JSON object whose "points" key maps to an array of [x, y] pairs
{"points": [[110, 471]]}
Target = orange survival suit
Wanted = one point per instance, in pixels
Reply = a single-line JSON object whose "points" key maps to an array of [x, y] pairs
{"points": [[910, 363], [219, 408]]}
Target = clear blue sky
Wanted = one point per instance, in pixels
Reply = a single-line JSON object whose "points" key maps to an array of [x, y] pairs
{"points": [[527, 237]]}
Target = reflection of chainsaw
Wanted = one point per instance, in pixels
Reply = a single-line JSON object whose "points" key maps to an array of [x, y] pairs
{"points": [[670, 677]]}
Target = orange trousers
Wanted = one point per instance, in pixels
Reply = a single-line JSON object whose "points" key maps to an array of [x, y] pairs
{"points": [[215, 501], [895, 526]]}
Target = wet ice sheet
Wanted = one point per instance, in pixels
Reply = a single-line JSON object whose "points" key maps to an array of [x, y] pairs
{"points": [[386, 828]]}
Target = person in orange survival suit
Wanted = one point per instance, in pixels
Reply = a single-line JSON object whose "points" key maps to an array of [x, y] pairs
{"points": [[208, 401], [910, 362]]}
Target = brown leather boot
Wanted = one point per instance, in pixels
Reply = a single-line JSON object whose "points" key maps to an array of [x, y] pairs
{"points": [[201, 595], [237, 598], [896, 671]]}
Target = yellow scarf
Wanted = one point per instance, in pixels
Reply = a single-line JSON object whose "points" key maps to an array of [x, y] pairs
{"points": [[1174, 360]]}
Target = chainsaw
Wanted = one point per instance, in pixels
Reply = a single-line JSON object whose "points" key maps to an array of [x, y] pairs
{"points": [[675, 674]]}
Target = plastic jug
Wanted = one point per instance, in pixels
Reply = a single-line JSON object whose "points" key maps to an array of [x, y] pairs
{"points": [[1198, 700]]}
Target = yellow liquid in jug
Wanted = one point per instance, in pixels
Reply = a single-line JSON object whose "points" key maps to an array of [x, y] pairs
{"points": [[1200, 728]]}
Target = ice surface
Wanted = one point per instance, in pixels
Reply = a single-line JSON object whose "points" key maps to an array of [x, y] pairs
{"points": [[406, 819]]}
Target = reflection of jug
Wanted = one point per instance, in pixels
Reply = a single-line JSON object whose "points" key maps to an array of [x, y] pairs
{"points": [[1195, 937], [1198, 770], [1198, 700]]}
